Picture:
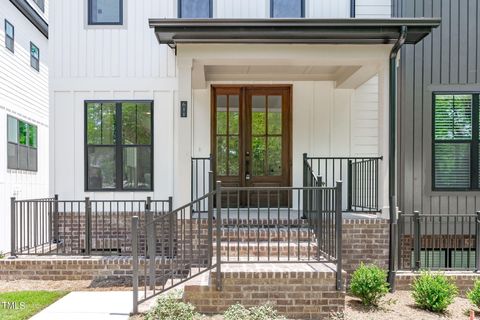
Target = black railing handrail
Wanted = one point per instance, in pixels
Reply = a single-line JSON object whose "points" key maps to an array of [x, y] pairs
{"points": [[345, 158]]}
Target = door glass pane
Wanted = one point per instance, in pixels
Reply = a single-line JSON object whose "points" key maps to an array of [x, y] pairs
{"points": [[12, 130], [233, 153], [101, 168], [222, 114], [274, 114], [222, 156], [137, 171], [274, 156], [258, 156], [258, 115], [233, 114]]}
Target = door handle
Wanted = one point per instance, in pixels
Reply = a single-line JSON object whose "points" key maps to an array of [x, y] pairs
{"points": [[247, 166]]}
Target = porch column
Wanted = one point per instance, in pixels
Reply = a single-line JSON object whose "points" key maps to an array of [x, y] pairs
{"points": [[383, 134], [182, 149]]}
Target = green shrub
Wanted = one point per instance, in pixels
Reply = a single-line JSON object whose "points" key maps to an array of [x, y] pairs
{"points": [[433, 292], [369, 283], [239, 312], [170, 307], [2, 255], [474, 294]]}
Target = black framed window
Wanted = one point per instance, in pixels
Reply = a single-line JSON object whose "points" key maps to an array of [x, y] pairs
{"points": [[119, 145], [195, 8], [34, 56], [105, 12], [40, 4], [287, 8], [456, 141], [9, 36], [21, 145]]}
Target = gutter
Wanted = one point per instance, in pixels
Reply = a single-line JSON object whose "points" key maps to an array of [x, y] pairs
{"points": [[32, 15], [393, 245]]}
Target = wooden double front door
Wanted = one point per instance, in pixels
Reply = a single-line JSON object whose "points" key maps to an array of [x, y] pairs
{"points": [[251, 138]]}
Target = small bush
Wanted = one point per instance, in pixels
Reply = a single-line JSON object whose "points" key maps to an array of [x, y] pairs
{"points": [[474, 294], [236, 312], [369, 283], [170, 307], [239, 312], [2, 255], [433, 292]]}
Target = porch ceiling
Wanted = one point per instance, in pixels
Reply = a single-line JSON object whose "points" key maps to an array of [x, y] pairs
{"points": [[290, 31]]}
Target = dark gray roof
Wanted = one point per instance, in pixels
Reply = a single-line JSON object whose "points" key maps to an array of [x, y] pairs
{"points": [[323, 31]]}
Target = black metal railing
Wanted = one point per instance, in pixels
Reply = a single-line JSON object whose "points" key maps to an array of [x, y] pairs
{"points": [[241, 225], [53, 226], [360, 176], [200, 169], [439, 241]]}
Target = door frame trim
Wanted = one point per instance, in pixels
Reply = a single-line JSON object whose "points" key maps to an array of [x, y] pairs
{"points": [[242, 88]]}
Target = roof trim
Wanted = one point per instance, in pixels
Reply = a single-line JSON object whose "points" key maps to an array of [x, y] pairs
{"points": [[302, 31], [32, 15]]}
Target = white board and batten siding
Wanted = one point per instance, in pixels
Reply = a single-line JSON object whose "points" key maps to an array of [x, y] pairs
{"points": [[108, 63], [23, 95], [126, 62]]}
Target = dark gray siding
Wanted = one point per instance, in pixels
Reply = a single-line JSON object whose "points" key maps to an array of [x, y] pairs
{"points": [[447, 60]]}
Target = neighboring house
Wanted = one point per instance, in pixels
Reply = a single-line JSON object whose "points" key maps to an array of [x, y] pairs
{"points": [[24, 105], [438, 155]]}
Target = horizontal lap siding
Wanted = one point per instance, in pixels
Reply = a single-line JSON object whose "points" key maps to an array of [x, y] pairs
{"points": [[24, 95], [446, 59]]}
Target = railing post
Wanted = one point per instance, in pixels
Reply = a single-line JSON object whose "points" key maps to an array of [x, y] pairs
{"points": [[210, 218], [88, 226], [350, 185], [477, 241], [12, 228], [319, 219], [416, 240], [170, 204], [218, 232], [151, 242], [338, 233], [135, 263], [55, 219], [304, 184]]}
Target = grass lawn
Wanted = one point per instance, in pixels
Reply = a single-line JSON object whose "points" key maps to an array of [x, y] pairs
{"points": [[24, 304]]}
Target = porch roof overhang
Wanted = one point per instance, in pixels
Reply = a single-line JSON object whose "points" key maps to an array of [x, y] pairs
{"points": [[291, 31]]}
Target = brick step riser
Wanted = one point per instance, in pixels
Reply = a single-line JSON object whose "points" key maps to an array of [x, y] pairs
{"points": [[265, 235]]}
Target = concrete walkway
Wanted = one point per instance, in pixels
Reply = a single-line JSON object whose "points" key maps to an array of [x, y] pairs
{"points": [[89, 305]]}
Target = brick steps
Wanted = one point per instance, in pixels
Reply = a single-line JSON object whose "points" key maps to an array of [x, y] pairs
{"points": [[264, 249], [264, 234]]}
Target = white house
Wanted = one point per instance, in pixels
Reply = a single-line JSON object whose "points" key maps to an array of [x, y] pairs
{"points": [[23, 105], [139, 88]]}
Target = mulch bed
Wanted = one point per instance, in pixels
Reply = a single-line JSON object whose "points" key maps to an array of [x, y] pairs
{"points": [[400, 305]]}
